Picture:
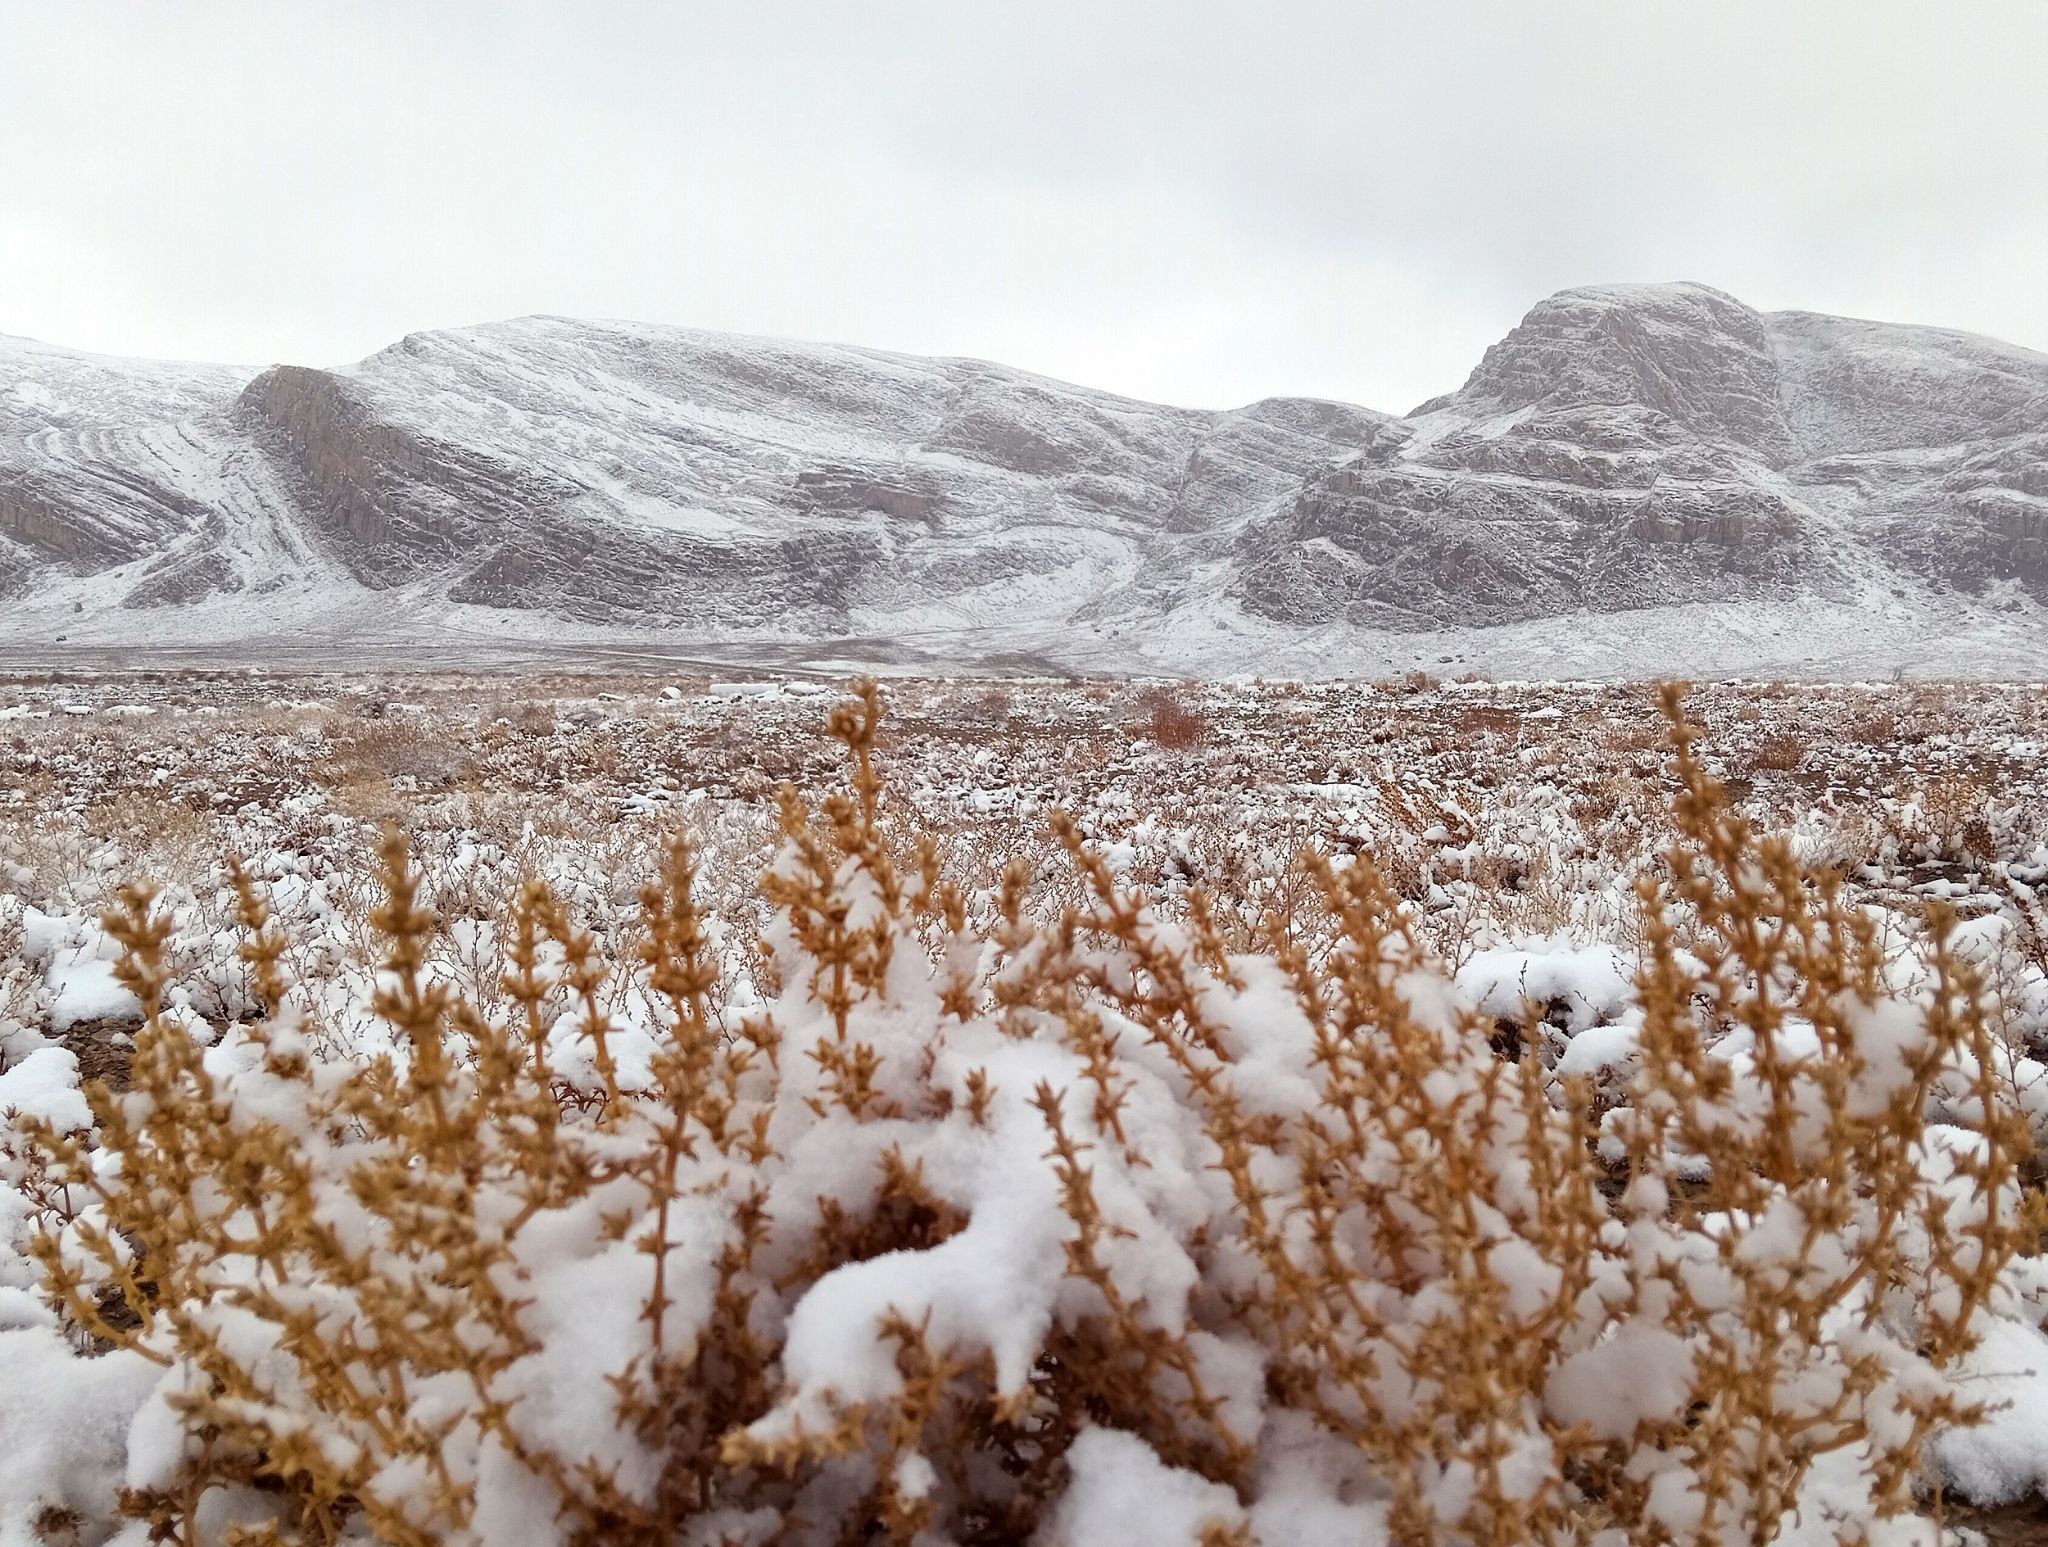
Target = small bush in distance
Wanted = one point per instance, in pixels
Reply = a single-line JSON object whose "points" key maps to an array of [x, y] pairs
{"points": [[1173, 724]]}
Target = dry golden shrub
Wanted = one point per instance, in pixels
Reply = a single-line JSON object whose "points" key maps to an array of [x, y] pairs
{"points": [[402, 748], [1957, 812], [1171, 722], [1779, 753], [889, 1257]]}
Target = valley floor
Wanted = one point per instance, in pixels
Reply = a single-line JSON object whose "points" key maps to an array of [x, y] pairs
{"points": [[1887, 628]]}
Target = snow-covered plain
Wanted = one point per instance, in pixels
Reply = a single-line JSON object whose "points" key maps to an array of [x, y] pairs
{"points": [[1512, 818], [1882, 635]]}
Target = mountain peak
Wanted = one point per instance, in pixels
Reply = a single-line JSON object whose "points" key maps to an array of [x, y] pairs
{"points": [[1686, 351]]}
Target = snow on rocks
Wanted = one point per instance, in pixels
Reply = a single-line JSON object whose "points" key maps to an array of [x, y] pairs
{"points": [[44, 1086], [78, 970], [64, 1432], [1586, 984], [84, 988], [1121, 1492]]}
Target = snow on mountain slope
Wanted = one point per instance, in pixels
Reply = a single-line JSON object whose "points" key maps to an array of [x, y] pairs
{"points": [[1627, 454], [137, 473], [620, 473], [83, 440], [1628, 447], [1849, 386]]}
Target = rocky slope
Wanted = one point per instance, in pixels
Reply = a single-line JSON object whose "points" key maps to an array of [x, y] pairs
{"points": [[1625, 449], [1631, 446]]}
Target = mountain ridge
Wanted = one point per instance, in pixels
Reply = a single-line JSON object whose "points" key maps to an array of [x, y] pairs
{"points": [[1623, 450]]}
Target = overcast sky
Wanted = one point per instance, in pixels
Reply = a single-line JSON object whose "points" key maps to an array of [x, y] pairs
{"points": [[1198, 202]]}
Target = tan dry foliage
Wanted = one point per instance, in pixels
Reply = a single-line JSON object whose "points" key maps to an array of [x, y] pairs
{"points": [[1421, 1255]]}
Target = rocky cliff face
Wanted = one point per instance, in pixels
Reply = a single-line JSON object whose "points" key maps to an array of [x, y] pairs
{"points": [[1673, 359], [1623, 447], [1631, 446]]}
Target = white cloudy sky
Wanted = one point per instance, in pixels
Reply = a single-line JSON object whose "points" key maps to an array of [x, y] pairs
{"points": [[1188, 200]]}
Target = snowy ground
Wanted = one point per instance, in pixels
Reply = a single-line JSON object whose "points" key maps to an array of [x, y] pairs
{"points": [[1513, 818], [161, 771], [324, 623]]}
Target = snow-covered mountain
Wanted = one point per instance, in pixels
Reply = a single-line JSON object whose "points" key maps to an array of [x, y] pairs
{"points": [[1636, 478]]}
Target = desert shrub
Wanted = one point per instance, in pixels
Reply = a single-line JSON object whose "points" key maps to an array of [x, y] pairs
{"points": [[531, 717], [1172, 723], [1781, 753], [1958, 814], [402, 748], [1067, 1228], [993, 706], [1489, 723]]}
